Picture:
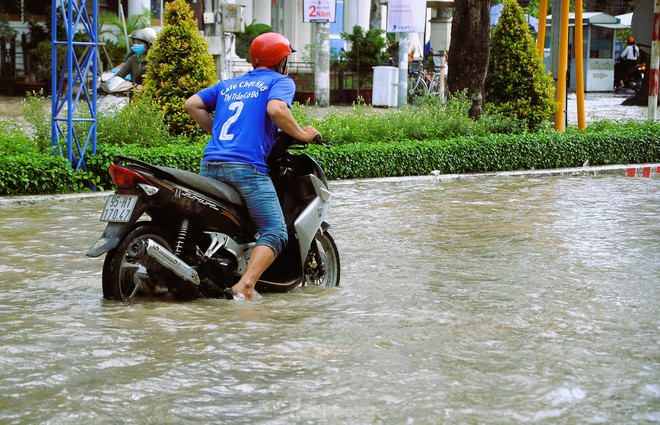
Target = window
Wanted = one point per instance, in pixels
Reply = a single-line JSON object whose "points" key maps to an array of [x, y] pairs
{"points": [[602, 43]]}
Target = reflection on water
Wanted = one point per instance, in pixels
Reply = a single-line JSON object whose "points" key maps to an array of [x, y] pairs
{"points": [[481, 301]]}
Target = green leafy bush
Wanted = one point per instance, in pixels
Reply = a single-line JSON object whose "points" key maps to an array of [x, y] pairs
{"points": [[515, 82], [140, 122], [14, 141], [183, 155], [415, 140], [244, 39], [429, 118], [27, 174], [634, 143], [179, 66], [36, 113], [366, 51]]}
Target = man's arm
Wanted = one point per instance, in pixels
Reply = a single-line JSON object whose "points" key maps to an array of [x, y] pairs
{"points": [[281, 115], [195, 107]]}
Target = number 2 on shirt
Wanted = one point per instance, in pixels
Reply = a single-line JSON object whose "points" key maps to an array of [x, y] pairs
{"points": [[237, 107]]}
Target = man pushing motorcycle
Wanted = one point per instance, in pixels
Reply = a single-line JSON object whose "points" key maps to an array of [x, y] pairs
{"points": [[248, 111]]}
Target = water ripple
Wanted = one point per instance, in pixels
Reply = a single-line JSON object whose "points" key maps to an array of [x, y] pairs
{"points": [[490, 301]]}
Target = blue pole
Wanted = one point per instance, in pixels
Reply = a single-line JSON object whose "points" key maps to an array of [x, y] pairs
{"points": [[81, 75]]}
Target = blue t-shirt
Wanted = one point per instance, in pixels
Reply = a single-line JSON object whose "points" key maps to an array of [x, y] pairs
{"points": [[242, 130]]}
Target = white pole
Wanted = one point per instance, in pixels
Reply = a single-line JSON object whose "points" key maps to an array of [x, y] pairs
{"points": [[322, 65], [404, 47]]}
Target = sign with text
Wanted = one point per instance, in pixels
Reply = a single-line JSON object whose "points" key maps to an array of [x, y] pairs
{"points": [[406, 15], [319, 10]]}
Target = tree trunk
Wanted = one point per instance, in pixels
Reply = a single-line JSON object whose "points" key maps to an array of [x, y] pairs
{"points": [[469, 51], [375, 19]]}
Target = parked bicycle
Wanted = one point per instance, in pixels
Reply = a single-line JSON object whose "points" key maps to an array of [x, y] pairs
{"points": [[421, 83]]}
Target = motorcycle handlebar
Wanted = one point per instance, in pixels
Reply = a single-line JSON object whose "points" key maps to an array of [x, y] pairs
{"points": [[319, 141]]}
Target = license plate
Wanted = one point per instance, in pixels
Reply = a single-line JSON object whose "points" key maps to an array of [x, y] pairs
{"points": [[118, 208]]}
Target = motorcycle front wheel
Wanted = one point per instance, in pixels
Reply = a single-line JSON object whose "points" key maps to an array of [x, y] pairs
{"points": [[322, 267], [123, 278]]}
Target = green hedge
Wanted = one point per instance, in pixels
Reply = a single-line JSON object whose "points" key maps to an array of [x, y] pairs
{"points": [[185, 156], [27, 174], [629, 143]]}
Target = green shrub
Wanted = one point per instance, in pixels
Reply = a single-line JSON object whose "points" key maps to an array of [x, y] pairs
{"points": [[140, 122], [429, 118], [36, 113], [180, 154], [515, 82], [634, 143], [179, 66], [244, 39], [14, 141], [367, 51], [27, 174], [415, 140]]}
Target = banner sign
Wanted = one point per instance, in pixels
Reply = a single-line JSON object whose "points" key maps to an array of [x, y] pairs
{"points": [[406, 15], [319, 10]]}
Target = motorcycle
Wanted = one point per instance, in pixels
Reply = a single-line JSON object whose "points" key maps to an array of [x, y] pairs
{"points": [[636, 77], [176, 233], [633, 81]]}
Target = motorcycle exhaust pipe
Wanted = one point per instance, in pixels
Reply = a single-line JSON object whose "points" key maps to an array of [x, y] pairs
{"points": [[140, 249]]}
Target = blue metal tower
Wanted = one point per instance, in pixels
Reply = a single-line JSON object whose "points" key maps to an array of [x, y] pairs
{"points": [[75, 83]]}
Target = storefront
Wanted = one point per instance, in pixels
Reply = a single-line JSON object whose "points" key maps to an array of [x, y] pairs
{"points": [[599, 31]]}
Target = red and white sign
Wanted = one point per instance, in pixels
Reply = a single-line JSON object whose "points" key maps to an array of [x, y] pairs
{"points": [[319, 10]]}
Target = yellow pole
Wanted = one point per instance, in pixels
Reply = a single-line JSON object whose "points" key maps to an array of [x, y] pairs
{"points": [[579, 64], [561, 72], [540, 37]]}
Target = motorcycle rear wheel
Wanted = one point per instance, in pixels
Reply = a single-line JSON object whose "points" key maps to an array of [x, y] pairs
{"points": [[122, 278], [326, 255]]}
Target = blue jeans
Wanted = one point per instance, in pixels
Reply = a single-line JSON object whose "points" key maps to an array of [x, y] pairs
{"points": [[260, 198]]}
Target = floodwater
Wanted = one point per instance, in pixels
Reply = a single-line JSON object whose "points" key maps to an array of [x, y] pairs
{"points": [[481, 301]]}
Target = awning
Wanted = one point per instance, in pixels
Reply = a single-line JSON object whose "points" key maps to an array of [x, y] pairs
{"points": [[613, 26], [593, 18], [625, 19]]}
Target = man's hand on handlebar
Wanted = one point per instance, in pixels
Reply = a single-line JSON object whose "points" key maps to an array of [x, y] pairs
{"points": [[313, 135]]}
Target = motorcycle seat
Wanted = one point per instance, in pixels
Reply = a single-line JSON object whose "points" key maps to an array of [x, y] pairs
{"points": [[214, 188]]}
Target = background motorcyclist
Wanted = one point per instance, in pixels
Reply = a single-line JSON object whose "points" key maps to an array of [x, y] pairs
{"points": [[136, 65], [626, 62], [248, 111]]}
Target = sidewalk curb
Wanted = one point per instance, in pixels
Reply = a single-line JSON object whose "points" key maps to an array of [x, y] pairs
{"points": [[33, 199], [637, 170], [633, 170]]}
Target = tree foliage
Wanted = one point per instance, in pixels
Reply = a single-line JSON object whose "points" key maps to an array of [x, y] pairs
{"points": [[516, 83], [179, 66], [366, 50], [244, 39]]}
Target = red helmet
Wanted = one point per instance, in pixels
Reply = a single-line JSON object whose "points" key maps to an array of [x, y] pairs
{"points": [[269, 49], [631, 40]]}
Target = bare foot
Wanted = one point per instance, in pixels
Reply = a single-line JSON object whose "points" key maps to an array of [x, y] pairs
{"points": [[247, 291]]}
